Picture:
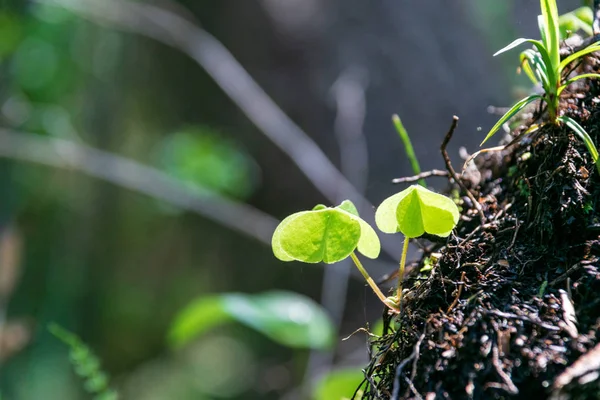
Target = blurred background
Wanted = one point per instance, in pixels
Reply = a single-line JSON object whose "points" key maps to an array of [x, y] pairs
{"points": [[149, 149]]}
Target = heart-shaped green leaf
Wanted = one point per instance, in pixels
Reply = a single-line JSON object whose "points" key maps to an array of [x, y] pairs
{"points": [[417, 210], [368, 244], [324, 235], [287, 318]]}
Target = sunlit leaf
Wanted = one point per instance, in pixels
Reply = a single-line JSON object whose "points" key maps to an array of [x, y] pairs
{"points": [[511, 113], [368, 244], [348, 206], [550, 68], [550, 30], [415, 211], [287, 318], [324, 235], [531, 58], [338, 385], [576, 78], [584, 136], [590, 49]]}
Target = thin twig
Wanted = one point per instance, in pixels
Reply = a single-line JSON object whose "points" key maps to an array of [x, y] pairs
{"points": [[415, 353], [524, 318], [453, 173], [141, 178], [510, 386], [422, 175], [460, 288]]}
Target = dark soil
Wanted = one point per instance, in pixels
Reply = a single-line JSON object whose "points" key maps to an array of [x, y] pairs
{"points": [[511, 307]]}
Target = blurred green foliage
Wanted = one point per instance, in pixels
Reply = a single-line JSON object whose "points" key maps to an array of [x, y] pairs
{"points": [[339, 385], [202, 159], [287, 318]]}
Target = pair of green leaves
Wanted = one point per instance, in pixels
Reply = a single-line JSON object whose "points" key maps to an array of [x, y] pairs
{"points": [[330, 235]]}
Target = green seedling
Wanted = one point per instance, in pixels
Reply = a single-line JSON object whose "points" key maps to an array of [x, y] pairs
{"points": [[544, 66], [408, 148], [328, 235], [415, 211]]}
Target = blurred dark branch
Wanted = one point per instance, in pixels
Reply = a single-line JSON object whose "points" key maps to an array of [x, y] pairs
{"points": [[179, 32], [349, 95], [132, 175], [176, 31]]}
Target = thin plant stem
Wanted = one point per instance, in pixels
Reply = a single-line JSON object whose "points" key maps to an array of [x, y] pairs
{"points": [[408, 148], [368, 278], [401, 271]]}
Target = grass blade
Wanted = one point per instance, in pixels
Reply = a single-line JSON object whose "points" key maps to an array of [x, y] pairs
{"points": [[530, 57], [526, 61], [515, 43], [569, 81], [584, 136], [550, 69], [510, 113], [551, 30], [408, 148], [590, 49]]}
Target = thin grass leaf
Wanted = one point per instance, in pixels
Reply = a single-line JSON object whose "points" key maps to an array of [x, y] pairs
{"points": [[584, 136], [590, 49], [571, 80], [511, 113], [516, 43], [408, 148], [551, 30], [530, 57], [550, 69], [526, 62]]}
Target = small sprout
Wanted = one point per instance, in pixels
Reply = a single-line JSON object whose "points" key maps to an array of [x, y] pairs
{"points": [[415, 211], [328, 235]]}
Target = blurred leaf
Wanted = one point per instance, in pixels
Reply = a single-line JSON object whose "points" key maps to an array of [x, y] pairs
{"points": [[10, 34], [287, 318], [198, 157], [35, 64], [377, 328], [338, 385], [198, 317]]}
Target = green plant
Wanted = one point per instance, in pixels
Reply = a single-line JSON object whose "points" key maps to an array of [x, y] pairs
{"points": [[415, 211], [408, 148], [545, 66], [86, 364], [329, 235], [274, 314]]}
